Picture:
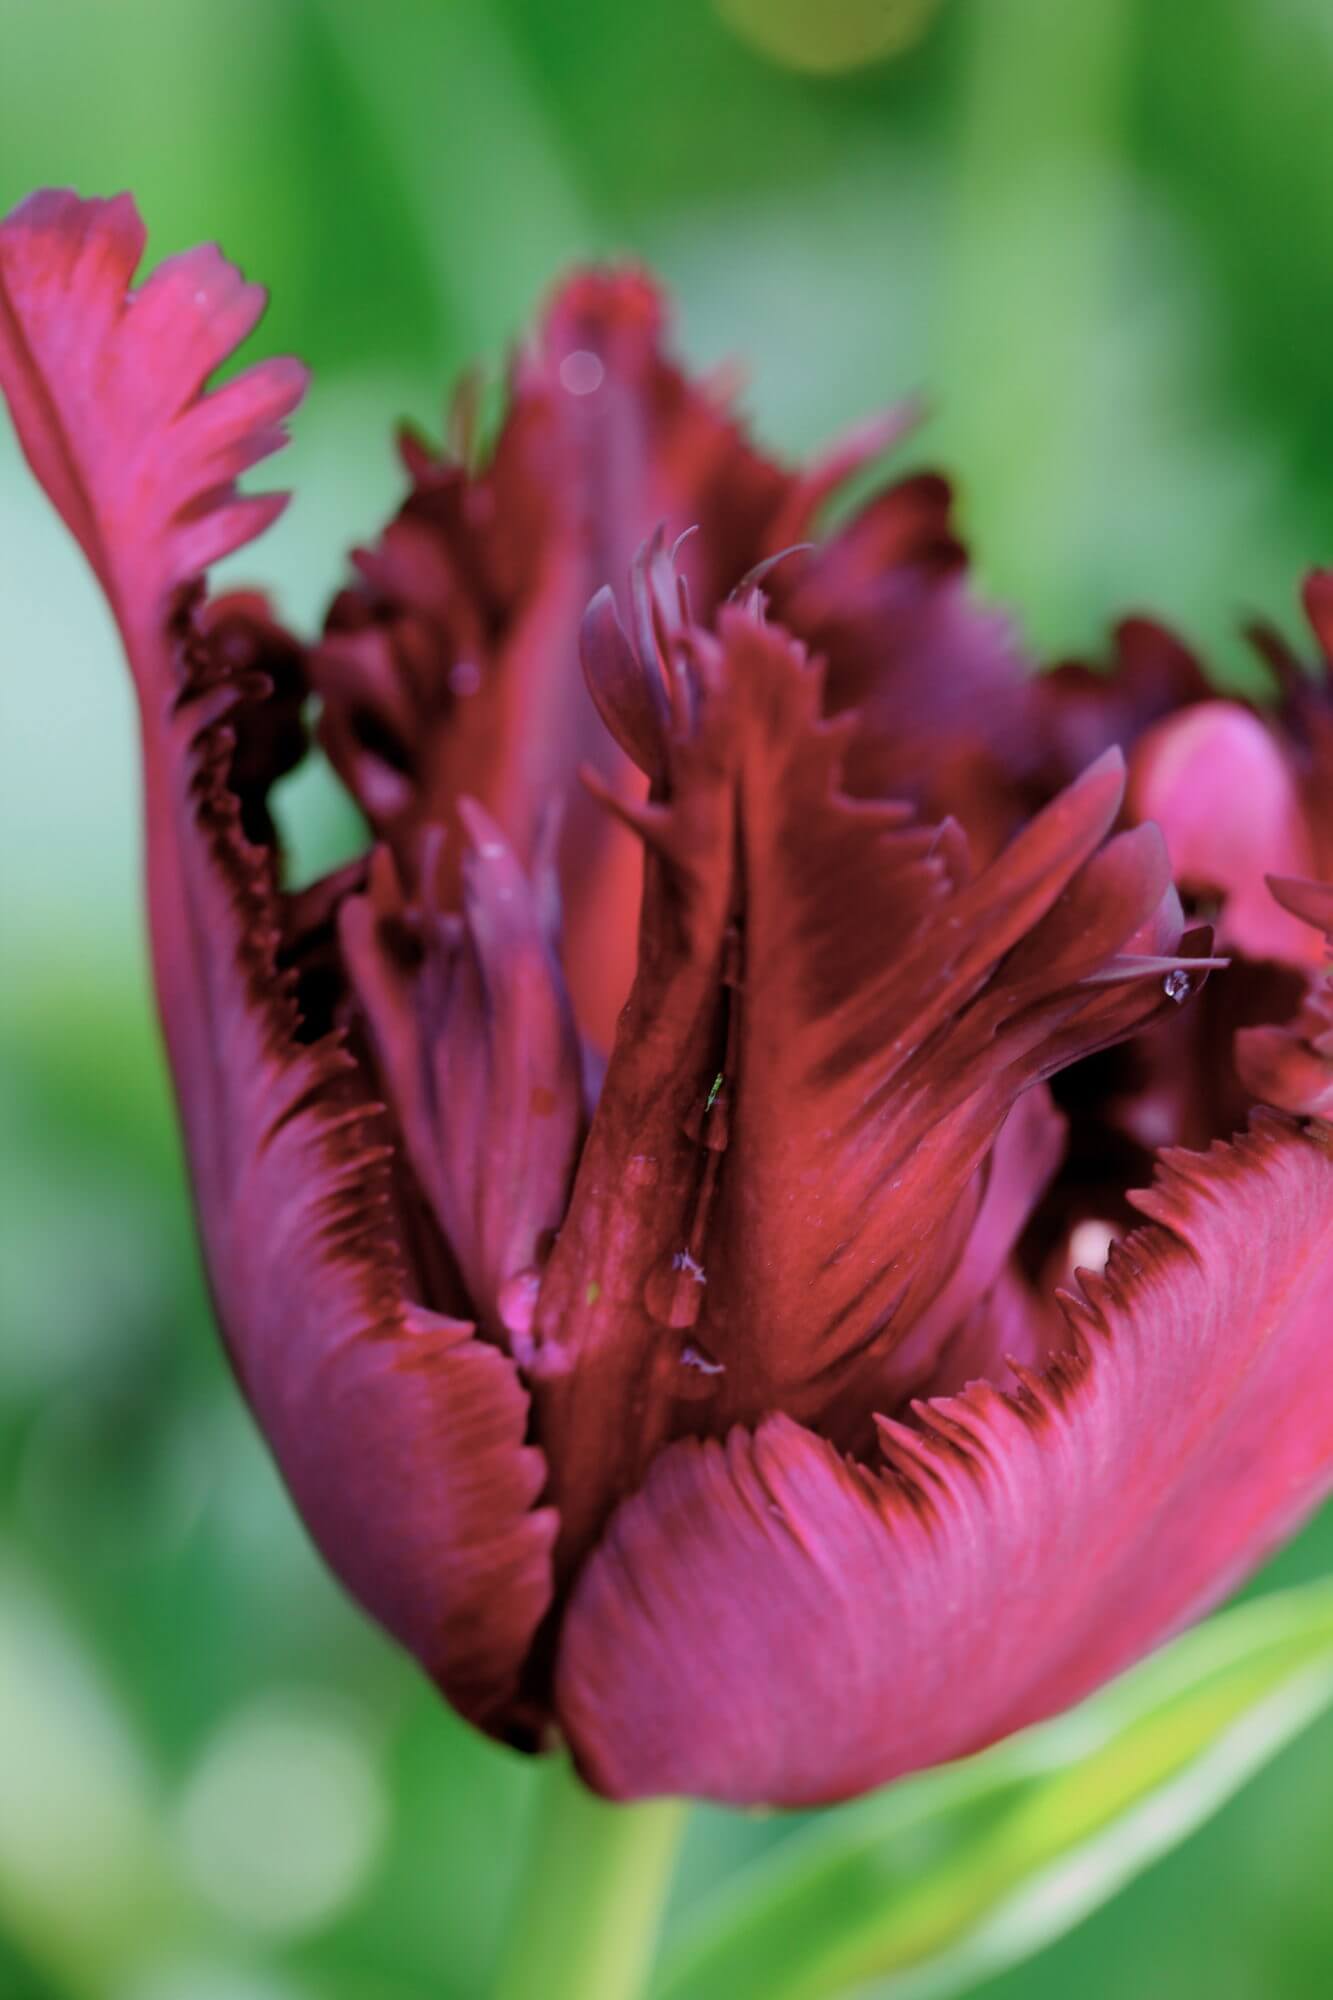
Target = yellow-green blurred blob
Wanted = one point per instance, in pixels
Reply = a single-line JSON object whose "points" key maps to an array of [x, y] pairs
{"points": [[828, 36]]}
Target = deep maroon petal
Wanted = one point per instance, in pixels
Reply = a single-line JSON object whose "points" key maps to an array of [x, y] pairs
{"points": [[954, 1341], [452, 667], [885, 1016], [767, 1622], [400, 1434], [475, 1040], [105, 394], [829, 1028], [939, 686]]}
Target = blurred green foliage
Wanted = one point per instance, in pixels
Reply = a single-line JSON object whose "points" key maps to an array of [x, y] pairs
{"points": [[1095, 237]]}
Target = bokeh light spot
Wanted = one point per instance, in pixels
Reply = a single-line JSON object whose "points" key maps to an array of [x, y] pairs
{"points": [[825, 37], [284, 1815]]}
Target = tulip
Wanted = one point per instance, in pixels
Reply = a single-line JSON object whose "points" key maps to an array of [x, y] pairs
{"points": [[696, 1399]]}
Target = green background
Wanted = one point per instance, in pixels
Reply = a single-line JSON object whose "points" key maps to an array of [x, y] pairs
{"points": [[1097, 237]]}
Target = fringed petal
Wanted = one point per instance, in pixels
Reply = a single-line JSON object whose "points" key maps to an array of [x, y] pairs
{"points": [[451, 668], [938, 684], [830, 1026], [475, 1039], [767, 1622], [400, 1434]]}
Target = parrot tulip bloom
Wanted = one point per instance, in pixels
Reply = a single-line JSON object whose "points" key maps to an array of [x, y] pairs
{"points": [[697, 1398]]}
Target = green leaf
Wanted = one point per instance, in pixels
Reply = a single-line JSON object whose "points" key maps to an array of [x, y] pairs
{"points": [[21, 1980], [946, 1878]]}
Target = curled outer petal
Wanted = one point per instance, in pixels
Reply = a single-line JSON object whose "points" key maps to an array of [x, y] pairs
{"points": [[766, 1621], [400, 1434]]}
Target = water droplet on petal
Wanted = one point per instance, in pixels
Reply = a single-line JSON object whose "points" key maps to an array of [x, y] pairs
{"points": [[1090, 1244], [694, 1356], [1176, 986]]}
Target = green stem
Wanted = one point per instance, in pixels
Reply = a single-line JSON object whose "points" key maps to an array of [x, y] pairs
{"points": [[591, 1895]]}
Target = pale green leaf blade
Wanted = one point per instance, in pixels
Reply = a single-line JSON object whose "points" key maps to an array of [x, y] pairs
{"points": [[944, 1879]]}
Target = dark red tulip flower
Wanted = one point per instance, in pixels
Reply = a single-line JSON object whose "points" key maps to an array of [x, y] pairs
{"points": [[631, 1200]]}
